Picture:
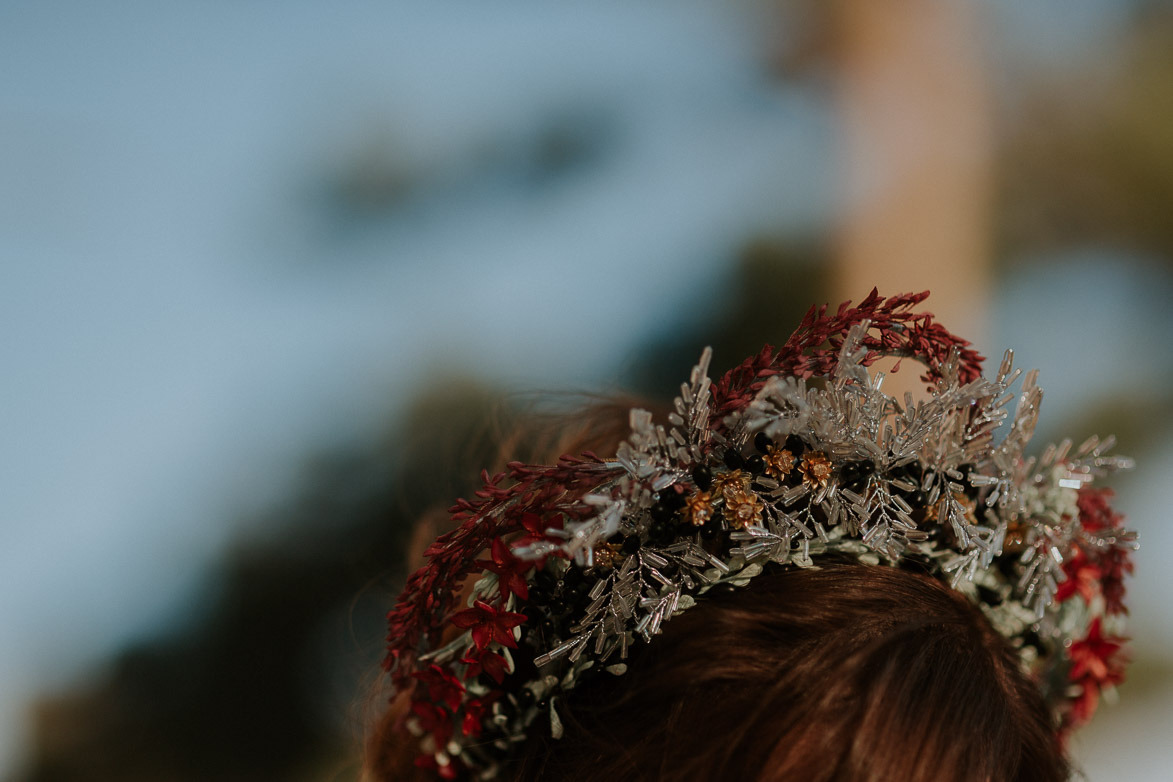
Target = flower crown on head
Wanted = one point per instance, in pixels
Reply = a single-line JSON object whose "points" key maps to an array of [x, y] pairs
{"points": [[794, 454]]}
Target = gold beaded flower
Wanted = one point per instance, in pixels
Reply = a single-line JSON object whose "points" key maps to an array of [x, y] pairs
{"points": [[732, 481], [608, 554], [743, 508], [779, 462], [1015, 541], [968, 508], [698, 508], [816, 470]]}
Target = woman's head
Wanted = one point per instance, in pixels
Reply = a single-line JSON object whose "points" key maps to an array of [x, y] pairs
{"points": [[821, 550]]}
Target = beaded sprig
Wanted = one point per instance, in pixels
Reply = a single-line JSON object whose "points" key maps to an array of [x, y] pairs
{"points": [[794, 455]]}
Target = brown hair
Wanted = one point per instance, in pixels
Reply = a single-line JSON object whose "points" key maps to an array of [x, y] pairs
{"points": [[848, 673]]}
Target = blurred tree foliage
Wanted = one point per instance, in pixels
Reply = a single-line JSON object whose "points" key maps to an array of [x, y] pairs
{"points": [[1087, 162], [774, 284], [1088, 157], [243, 691]]}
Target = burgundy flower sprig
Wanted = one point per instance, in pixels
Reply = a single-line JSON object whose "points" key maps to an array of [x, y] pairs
{"points": [[430, 593], [1113, 563], [813, 349], [1095, 574]]}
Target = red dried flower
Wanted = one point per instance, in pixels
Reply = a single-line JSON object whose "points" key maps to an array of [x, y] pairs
{"points": [[1084, 706], [1083, 576], [1094, 512], [1096, 515], [443, 686], [1097, 657], [489, 624], [535, 527], [1115, 563], [474, 714], [509, 569], [433, 720], [483, 661], [1096, 662], [448, 770]]}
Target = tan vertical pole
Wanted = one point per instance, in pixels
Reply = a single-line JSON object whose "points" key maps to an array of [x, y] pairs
{"points": [[915, 118]]}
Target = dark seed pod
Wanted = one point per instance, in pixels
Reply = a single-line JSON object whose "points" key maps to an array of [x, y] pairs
{"points": [[762, 442], [989, 596], [712, 527], [659, 532], [661, 512], [734, 460], [756, 464], [1031, 638], [1007, 566], [672, 498], [702, 477], [795, 445]]}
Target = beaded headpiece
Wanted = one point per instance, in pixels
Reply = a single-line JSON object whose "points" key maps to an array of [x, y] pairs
{"points": [[795, 454]]}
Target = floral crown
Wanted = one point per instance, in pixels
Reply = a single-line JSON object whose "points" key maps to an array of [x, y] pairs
{"points": [[794, 454]]}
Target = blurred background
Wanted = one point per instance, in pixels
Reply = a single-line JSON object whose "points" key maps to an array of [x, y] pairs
{"points": [[275, 278]]}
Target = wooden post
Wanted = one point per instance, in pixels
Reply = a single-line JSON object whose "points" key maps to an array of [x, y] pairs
{"points": [[915, 118]]}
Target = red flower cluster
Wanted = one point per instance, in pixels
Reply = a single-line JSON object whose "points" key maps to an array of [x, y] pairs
{"points": [[1102, 569], [484, 661], [1096, 663], [474, 714], [488, 624], [443, 687], [441, 702], [446, 692], [449, 770], [433, 719], [509, 569], [1094, 512], [535, 527], [1083, 576]]}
